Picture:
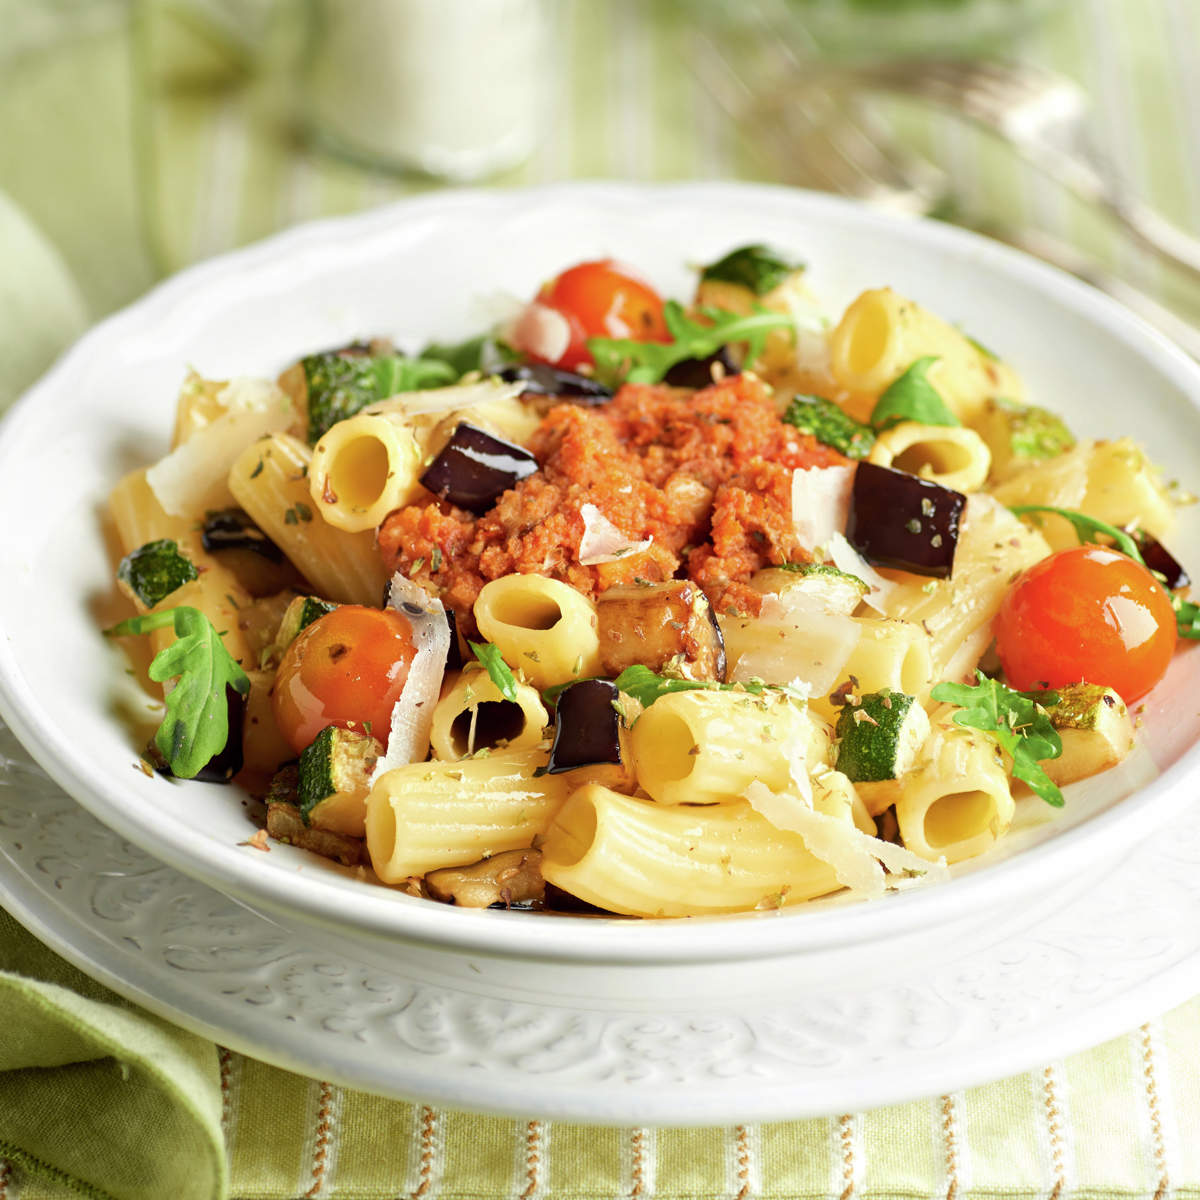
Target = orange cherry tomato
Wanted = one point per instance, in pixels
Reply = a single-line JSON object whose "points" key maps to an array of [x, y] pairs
{"points": [[1086, 614], [347, 668], [603, 299]]}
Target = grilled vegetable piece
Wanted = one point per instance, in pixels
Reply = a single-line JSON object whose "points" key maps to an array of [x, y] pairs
{"points": [[233, 529], [474, 468], [659, 626], [878, 738], [335, 772], [825, 421], [542, 379], [1018, 434], [152, 572], [816, 585], [223, 765], [285, 824], [899, 520], [338, 383], [587, 726], [1158, 558], [300, 614], [703, 372], [513, 877], [1096, 731], [757, 268]]}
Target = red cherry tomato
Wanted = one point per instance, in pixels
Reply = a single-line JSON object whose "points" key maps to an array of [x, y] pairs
{"points": [[347, 668], [601, 299], [1086, 614]]}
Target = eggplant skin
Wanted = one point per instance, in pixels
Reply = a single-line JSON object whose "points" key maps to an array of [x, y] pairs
{"points": [[699, 372], [587, 728], [659, 624], [541, 379], [474, 468], [899, 520]]}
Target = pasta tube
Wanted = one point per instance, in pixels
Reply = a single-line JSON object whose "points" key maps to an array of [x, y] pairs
{"points": [[474, 715], [631, 856], [428, 815], [950, 455]]}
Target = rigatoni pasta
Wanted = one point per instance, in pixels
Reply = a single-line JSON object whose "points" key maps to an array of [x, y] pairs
{"points": [[696, 647]]}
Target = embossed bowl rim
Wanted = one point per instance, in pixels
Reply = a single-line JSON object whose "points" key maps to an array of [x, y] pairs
{"points": [[331, 279]]}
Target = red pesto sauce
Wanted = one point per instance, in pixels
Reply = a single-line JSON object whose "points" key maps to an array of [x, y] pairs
{"points": [[706, 475]]}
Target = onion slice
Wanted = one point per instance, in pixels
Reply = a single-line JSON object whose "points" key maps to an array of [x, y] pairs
{"points": [[602, 541], [412, 714], [847, 559]]}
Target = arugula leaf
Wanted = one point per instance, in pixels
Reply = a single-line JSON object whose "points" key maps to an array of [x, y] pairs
{"points": [[647, 362], [1187, 617], [825, 421], [911, 397], [485, 353], [757, 267], [196, 726], [1086, 528], [498, 670], [1017, 720], [645, 686], [339, 385]]}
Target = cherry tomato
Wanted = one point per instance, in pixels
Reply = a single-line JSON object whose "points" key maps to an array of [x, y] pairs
{"points": [[347, 668], [1086, 614], [601, 299]]}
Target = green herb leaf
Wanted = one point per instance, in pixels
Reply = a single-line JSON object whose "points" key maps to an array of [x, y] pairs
{"points": [[485, 353], [498, 670], [757, 267], [1017, 720], [624, 359], [196, 726], [1087, 528], [339, 385], [1187, 617], [645, 686], [912, 397], [829, 424]]}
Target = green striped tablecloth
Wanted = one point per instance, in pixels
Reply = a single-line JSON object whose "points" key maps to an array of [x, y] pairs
{"points": [[139, 146]]}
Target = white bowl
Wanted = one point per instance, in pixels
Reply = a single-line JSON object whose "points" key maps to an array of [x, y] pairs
{"points": [[426, 268]]}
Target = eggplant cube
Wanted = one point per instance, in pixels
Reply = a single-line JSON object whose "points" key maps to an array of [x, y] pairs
{"points": [[474, 468], [587, 729], [899, 520]]}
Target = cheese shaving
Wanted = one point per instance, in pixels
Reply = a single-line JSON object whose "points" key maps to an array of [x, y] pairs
{"points": [[542, 332], [602, 541], [846, 558], [412, 714], [820, 504], [193, 477], [856, 858], [448, 399]]}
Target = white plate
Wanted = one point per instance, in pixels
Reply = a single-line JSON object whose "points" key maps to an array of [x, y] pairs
{"points": [[1093, 967], [426, 268]]}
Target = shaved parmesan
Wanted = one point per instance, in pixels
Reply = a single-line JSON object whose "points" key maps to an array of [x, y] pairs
{"points": [[846, 558], [412, 714], [541, 331], [820, 504], [784, 645], [602, 541], [857, 859], [193, 477]]}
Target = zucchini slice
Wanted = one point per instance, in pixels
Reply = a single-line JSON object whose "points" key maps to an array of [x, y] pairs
{"points": [[827, 588], [879, 737], [298, 615], [1096, 732], [335, 773], [152, 572]]}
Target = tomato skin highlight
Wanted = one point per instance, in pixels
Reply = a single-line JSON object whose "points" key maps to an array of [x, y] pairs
{"points": [[1087, 614], [602, 298], [348, 669]]}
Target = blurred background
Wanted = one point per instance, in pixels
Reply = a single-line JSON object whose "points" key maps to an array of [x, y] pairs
{"points": [[138, 136]]}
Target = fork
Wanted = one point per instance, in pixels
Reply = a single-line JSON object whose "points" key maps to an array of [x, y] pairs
{"points": [[828, 141], [1043, 116]]}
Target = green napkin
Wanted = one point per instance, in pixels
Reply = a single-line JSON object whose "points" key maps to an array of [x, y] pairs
{"points": [[97, 1095]]}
